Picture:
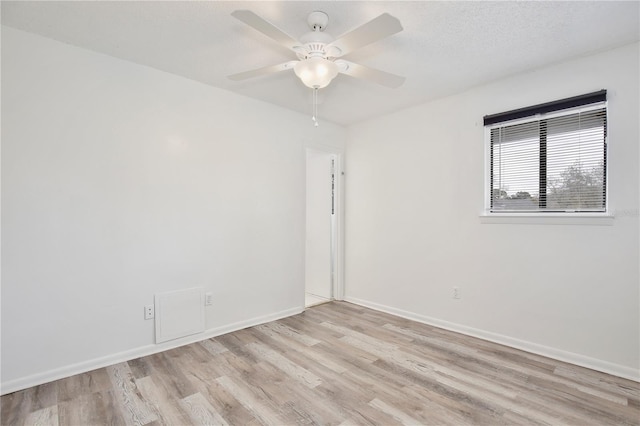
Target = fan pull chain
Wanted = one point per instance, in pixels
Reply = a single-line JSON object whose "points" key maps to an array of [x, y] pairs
{"points": [[315, 107]]}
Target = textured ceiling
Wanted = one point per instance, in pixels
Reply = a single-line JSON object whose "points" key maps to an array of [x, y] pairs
{"points": [[446, 47]]}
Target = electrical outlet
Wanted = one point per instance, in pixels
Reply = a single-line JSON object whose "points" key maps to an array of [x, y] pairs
{"points": [[208, 299], [149, 312], [456, 293]]}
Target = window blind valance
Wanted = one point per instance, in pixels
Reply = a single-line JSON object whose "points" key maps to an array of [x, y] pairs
{"points": [[575, 101]]}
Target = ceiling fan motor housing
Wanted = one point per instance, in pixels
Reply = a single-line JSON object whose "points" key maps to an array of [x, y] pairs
{"points": [[315, 41]]}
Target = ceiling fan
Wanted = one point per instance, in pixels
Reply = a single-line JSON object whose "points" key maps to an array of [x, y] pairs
{"points": [[319, 54]]}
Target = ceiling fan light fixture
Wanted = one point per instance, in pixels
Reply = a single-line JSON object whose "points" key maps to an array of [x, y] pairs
{"points": [[316, 72]]}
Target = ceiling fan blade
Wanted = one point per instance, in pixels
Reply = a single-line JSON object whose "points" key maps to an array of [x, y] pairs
{"points": [[374, 30], [360, 71], [262, 71], [266, 28]]}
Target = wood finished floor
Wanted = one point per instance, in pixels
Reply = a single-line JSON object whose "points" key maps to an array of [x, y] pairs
{"points": [[335, 364]]}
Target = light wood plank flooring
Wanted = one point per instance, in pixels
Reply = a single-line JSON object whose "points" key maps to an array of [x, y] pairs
{"points": [[335, 364]]}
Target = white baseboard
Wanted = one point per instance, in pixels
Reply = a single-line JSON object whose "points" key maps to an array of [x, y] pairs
{"points": [[83, 367], [558, 354]]}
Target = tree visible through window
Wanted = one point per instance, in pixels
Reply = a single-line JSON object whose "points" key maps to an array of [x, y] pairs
{"points": [[551, 161]]}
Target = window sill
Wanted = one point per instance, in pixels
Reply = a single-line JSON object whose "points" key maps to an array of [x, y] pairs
{"points": [[602, 219]]}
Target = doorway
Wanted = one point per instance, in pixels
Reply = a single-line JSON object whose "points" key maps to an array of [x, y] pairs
{"points": [[321, 226]]}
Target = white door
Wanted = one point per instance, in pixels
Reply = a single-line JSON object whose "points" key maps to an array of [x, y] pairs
{"points": [[319, 263]]}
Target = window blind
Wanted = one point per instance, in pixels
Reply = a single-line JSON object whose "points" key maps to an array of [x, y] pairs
{"points": [[552, 162]]}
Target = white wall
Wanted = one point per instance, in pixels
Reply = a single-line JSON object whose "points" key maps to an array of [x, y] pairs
{"points": [[415, 189], [120, 181]]}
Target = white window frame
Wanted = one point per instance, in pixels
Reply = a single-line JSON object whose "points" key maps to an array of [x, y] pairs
{"points": [[541, 217]]}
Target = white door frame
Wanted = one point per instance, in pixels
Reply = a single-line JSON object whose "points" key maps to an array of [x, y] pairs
{"points": [[337, 291]]}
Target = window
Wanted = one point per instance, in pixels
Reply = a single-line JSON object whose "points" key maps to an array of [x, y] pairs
{"points": [[549, 158]]}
